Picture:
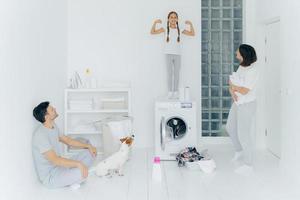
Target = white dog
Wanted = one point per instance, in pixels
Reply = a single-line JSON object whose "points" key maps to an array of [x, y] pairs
{"points": [[115, 162]]}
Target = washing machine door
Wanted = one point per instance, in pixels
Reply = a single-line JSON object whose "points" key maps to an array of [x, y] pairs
{"points": [[178, 127], [172, 129], [165, 134]]}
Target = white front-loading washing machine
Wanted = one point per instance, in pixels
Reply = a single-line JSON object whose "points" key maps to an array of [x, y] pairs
{"points": [[175, 127]]}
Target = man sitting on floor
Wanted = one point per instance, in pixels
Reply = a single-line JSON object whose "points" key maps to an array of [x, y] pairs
{"points": [[53, 170]]}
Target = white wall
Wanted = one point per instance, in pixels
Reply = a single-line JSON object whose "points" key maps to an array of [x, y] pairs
{"points": [[291, 84], [288, 11], [33, 68], [113, 39]]}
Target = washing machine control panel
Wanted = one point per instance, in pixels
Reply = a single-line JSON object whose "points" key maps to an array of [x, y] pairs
{"points": [[175, 105], [186, 104]]}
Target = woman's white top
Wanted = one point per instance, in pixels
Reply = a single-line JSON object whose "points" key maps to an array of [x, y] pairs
{"points": [[172, 47], [246, 77]]}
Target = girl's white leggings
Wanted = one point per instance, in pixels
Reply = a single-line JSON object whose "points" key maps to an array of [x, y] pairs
{"points": [[173, 68]]}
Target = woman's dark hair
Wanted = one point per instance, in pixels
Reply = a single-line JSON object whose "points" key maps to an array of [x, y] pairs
{"points": [[248, 53], [168, 27], [40, 111]]}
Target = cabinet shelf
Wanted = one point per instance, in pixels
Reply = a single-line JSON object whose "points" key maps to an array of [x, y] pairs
{"points": [[106, 102]]}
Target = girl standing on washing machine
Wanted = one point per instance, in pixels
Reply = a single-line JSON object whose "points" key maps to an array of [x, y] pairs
{"points": [[241, 119], [172, 48]]}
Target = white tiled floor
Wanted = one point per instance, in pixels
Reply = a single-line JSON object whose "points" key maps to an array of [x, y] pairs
{"points": [[267, 182]]}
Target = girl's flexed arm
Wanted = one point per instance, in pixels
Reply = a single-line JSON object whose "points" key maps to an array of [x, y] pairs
{"points": [[156, 31], [190, 32]]}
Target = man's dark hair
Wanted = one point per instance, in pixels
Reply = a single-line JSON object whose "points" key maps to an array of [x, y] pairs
{"points": [[248, 53], [40, 111]]}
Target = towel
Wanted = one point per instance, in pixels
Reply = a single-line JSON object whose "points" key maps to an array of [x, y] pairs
{"points": [[238, 81], [207, 166]]}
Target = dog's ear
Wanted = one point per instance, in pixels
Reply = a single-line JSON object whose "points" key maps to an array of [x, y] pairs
{"points": [[123, 139], [129, 141]]}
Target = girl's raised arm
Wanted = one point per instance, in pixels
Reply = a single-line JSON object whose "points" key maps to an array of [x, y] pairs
{"points": [[190, 32], [156, 31]]}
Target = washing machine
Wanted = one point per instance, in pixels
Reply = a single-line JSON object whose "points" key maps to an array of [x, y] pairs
{"points": [[175, 127]]}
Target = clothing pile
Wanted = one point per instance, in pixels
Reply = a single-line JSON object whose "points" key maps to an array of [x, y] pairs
{"points": [[192, 159], [188, 154]]}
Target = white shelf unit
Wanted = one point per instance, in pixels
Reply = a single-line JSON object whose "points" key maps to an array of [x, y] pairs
{"points": [[83, 106]]}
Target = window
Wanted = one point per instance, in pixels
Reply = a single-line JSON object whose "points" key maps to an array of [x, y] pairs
{"points": [[222, 23]]}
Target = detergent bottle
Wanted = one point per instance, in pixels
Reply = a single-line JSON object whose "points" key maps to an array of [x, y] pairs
{"points": [[156, 170]]}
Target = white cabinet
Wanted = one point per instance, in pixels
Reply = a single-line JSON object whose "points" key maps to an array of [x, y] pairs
{"points": [[85, 106]]}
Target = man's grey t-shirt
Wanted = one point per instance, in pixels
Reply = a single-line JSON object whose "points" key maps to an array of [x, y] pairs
{"points": [[43, 140]]}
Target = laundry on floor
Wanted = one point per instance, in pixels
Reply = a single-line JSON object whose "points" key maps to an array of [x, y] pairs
{"points": [[188, 154], [192, 159]]}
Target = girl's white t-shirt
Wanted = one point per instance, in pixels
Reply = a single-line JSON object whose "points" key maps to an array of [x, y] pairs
{"points": [[172, 47], [248, 78]]}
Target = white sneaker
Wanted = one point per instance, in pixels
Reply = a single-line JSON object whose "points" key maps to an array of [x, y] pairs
{"points": [[244, 170], [237, 156], [75, 186]]}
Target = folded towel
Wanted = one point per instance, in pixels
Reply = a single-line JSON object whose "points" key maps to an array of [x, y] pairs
{"points": [[238, 81]]}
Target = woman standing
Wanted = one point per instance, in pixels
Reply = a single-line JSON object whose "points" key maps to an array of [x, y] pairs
{"points": [[172, 48], [240, 123]]}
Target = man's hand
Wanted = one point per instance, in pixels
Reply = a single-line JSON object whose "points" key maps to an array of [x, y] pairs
{"points": [[84, 170], [92, 150], [72, 142]]}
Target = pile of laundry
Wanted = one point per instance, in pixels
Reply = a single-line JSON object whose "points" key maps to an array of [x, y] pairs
{"points": [[190, 155]]}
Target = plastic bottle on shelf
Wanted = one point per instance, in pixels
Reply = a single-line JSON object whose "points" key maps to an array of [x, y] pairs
{"points": [[87, 81], [181, 94], [93, 83], [187, 97]]}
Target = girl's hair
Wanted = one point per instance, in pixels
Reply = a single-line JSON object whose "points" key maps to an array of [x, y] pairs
{"points": [[168, 27], [248, 53]]}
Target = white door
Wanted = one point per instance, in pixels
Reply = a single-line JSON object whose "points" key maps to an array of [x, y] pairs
{"points": [[273, 87]]}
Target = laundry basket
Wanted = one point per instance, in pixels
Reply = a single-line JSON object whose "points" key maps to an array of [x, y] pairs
{"points": [[113, 130]]}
